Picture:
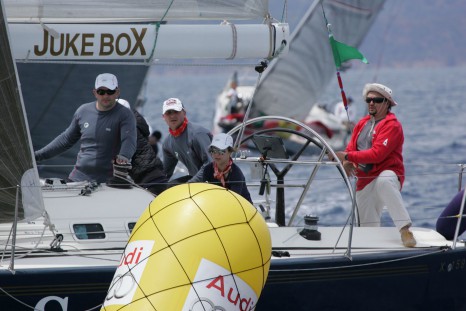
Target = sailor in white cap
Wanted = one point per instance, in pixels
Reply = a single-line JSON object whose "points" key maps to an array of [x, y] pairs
{"points": [[187, 142], [222, 170], [106, 131]]}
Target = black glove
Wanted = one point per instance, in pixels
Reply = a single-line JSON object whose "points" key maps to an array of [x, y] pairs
{"points": [[121, 178]]}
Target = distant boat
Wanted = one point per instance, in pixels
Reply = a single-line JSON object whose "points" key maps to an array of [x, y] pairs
{"points": [[319, 118]]}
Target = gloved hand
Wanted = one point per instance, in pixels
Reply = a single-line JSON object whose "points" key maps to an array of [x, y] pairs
{"points": [[121, 170], [121, 178]]}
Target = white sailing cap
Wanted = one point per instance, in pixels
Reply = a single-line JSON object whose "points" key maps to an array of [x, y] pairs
{"points": [[172, 104], [124, 102], [381, 89], [222, 141], [107, 80]]}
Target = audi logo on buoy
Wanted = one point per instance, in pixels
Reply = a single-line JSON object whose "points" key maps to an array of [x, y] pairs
{"points": [[205, 304], [121, 286]]}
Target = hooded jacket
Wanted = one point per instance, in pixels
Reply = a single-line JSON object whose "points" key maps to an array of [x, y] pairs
{"points": [[385, 153], [146, 166]]}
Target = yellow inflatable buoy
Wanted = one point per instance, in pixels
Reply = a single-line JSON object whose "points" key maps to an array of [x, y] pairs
{"points": [[196, 247]]}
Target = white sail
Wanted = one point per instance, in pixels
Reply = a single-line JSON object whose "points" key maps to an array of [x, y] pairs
{"points": [[107, 11], [19, 180], [296, 80]]}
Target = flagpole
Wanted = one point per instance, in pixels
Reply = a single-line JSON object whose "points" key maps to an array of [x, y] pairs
{"points": [[340, 81], [341, 53]]}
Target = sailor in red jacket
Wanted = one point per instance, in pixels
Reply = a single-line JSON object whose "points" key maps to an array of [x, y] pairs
{"points": [[374, 155]]}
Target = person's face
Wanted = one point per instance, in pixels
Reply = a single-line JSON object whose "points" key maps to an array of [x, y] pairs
{"points": [[221, 157], [106, 99], [174, 118], [377, 105]]}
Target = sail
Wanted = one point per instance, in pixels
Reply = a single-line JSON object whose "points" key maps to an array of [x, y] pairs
{"points": [[299, 77], [105, 11], [17, 166]]}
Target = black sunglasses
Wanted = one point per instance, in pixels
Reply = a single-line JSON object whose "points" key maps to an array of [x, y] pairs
{"points": [[376, 100], [214, 150], [102, 92]]}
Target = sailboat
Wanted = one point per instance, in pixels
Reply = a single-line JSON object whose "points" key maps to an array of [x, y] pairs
{"points": [[62, 241], [62, 251]]}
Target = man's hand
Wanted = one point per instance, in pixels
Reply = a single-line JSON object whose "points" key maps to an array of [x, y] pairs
{"points": [[349, 168], [341, 155], [121, 159]]}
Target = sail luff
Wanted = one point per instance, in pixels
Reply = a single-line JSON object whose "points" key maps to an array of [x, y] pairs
{"points": [[17, 165]]}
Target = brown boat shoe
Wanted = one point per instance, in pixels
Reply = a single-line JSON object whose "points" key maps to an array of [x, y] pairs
{"points": [[407, 237]]}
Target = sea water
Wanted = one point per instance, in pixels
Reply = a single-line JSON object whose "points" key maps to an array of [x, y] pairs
{"points": [[430, 108]]}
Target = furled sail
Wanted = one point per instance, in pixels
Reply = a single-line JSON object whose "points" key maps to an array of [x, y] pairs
{"points": [[19, 180], [298, 78]]}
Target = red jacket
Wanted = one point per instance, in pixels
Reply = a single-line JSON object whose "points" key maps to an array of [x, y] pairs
{"points": [[385, 153]]}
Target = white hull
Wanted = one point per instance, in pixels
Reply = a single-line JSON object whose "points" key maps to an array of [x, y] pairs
{"points": [[116, 210]]}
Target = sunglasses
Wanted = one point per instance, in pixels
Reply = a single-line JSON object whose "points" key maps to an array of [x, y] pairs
{"points": [[103, 92], [217, 151], [376, 100]]}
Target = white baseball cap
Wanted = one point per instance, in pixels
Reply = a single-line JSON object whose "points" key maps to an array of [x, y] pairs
{"points": [[172, 104], [107, 80], [222, 141]]}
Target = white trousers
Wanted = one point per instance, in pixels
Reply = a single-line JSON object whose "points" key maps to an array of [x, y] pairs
{"points": [[384, 191]]}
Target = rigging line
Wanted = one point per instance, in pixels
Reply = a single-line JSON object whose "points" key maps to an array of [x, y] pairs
{"points": [[234, 35], [366, 264], [33, 248], [157, 28], [285, 11], [16, 299], [260, 69]]}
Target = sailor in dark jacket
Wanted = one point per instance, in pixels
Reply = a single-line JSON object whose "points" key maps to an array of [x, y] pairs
{"points": [[147, 168], [222, 170]]}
